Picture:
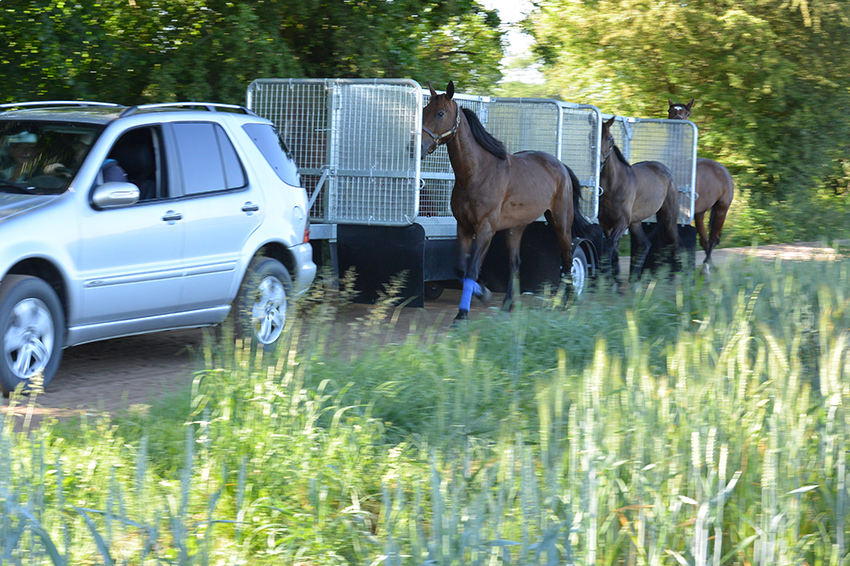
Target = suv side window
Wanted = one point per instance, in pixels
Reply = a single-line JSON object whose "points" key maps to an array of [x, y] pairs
{"points": [[138, 153], [275, 151], [207, 159]]}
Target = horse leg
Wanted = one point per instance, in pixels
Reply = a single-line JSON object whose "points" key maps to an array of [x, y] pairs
{"points": [[483, 236], [464, 246], [563, 230], [513, 237], [636, 229], [699, 224], [715, 225], [613, 241], [667, 217]]}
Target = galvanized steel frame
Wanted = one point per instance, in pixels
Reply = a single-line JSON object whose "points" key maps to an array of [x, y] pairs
{"points": [[357, 144]]}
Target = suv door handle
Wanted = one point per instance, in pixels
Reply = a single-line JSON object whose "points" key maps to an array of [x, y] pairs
{"points": [[250, 207], [172, 216]]}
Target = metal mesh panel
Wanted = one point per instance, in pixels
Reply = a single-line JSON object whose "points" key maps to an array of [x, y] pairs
{"points": [[375, 155], [436, 169], [299, 110], [580, 130], [362, 134], [524, 125], [673, 143], [435, 196]]}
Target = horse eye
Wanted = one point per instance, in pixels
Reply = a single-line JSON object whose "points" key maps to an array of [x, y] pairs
{"points": [[441, 113]]}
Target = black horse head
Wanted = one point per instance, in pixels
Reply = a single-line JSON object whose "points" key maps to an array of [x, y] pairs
{"points": [[678, 111]]}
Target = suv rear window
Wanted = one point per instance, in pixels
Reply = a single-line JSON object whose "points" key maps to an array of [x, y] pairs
{"points": [[275, 151], [200, 144]]}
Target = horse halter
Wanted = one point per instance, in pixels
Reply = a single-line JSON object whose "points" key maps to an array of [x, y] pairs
{"points": [[450, 134], [607, 153]]}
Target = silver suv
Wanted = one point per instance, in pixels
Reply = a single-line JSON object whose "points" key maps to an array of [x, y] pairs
{"points": [[120, 220]]}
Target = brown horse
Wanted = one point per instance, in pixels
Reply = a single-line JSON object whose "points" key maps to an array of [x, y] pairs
{"points": [[715, 190], [631, 194], [495, 191]]}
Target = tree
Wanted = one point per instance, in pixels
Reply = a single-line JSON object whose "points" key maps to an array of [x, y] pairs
{"points": [[771, 79], [133, 51]]}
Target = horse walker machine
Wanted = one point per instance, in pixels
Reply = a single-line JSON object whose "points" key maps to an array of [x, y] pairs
{"points": [[380, 209]]}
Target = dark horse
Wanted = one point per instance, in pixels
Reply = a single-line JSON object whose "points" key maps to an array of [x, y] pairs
{"points": [[715, 190], [631, 194], [495, 191]]}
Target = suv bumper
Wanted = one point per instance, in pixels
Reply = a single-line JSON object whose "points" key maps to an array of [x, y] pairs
{"points": [[304, 270]]}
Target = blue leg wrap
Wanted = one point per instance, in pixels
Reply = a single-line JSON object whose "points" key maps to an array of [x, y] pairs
{"points": [[470, 288]]}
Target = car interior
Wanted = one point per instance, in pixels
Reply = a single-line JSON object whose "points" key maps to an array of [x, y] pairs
{"points": [[136, 153]]}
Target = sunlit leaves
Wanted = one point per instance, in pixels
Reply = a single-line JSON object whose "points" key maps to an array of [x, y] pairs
{"points": [[159, 50]]}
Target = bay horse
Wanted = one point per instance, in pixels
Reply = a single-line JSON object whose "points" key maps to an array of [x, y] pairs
{"points": [[494, 191], [715, 190], [631, 194]]}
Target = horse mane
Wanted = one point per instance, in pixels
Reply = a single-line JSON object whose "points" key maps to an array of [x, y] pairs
{"points": [[620, 156], [483, 137]]}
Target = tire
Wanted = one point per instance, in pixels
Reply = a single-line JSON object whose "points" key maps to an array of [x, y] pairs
{"points": [[32, 330], [579, 272], [433, 291], [262, 305]]}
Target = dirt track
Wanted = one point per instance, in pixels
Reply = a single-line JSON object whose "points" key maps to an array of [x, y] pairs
{"points": [[112, 375]]}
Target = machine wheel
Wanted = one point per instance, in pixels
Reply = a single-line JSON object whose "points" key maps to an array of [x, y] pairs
{"points": [[580, 271], [262, 305], [32, 326]]}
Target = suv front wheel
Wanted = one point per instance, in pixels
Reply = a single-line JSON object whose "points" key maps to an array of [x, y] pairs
{"points": [[262, 305], [31, 327]]}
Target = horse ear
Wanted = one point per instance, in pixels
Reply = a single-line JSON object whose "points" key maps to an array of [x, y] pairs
{"points": [[691, 103], [669, 102], [433, 92], [610, 122], [450, 90]]}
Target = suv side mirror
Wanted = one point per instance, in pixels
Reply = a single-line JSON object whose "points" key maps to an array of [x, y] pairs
{"points": [[114, 195]]}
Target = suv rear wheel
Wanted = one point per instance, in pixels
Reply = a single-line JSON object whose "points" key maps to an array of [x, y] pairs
{"points": [[263, 304], [31, 327]]}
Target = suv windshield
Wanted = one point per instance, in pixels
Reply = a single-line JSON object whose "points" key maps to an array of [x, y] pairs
{"points": [[42, 157]]}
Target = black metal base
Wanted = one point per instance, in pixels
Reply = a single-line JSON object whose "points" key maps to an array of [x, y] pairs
{"points": [[378, 253]]}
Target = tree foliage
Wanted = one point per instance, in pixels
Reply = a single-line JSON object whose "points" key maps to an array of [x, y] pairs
{"points": [[134, 51], [771, 80]]}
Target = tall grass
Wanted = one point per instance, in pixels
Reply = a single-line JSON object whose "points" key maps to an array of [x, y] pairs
{"points": [[678, 424]]}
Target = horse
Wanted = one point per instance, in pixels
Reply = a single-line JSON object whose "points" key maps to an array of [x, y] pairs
{"points": [[631, 194], [715, 190], [495, 190]]}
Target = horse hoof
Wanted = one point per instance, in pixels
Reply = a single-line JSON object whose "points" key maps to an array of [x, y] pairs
{"points": [[486, 296], [460, 318]]}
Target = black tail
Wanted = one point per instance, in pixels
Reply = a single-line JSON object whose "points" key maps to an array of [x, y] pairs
{"points": [[581, 225]]}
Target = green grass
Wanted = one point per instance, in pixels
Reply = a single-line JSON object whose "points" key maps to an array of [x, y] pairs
{"points": [[678, 423]]}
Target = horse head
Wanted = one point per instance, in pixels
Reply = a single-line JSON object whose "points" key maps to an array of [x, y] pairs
{"points": [[606, 144], [442, 114], [678, 111]]}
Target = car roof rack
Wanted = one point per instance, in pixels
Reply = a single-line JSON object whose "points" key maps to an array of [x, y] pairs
{"points": [[210, 106], [47, 103]]}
